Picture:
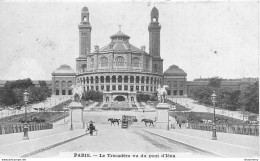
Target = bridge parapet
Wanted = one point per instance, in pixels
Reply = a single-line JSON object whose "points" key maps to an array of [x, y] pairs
{"points": [[243, 129]]}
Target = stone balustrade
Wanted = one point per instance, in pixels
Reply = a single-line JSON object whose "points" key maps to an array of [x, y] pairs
{"points": [[16, 128], [244, 129]]}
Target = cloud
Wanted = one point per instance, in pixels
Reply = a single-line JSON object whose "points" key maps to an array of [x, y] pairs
{"points": [[25, 68]]}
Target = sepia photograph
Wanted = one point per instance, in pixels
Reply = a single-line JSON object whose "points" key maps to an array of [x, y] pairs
{"points": [[139, 79]]}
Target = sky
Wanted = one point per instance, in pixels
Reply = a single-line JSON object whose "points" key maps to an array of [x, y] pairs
{"points": [[37, 37]]}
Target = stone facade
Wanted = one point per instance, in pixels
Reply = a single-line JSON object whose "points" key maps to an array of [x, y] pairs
{"points": [[62, 80], [120, 69], [176, 79]]}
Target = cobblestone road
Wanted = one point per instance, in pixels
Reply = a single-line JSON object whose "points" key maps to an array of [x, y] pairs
{"points": [[115, 139]]}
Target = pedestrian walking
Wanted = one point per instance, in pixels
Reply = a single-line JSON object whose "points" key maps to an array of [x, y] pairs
{"points": [[180, 124]]}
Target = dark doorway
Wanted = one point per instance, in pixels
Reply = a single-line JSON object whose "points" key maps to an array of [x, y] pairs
{"points": [[120, 98]]}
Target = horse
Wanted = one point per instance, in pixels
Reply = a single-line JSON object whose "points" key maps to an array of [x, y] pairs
{"points": [[77, 92], [113, 121], [147, 121], [162, 93]]}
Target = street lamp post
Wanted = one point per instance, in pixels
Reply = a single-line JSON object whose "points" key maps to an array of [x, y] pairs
{"points": [[214, 134], [168, 121], [71, 125], [25, 128]]}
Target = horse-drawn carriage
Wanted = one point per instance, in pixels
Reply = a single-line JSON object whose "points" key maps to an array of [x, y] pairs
{"points": [[128, 120]]}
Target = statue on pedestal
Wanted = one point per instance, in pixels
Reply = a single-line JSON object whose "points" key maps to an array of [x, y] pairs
{"points": [[77, 92], [162, 93]]}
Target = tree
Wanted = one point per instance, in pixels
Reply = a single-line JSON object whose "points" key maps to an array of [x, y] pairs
{"points": [[250, 98], [42, 83], [9, 97], [215, 82], [93, 95], [233, 102], [203, 95], [12, 92]]}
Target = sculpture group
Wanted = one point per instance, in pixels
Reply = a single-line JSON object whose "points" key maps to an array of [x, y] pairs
{"points": [[162, 93], [77, 92]]}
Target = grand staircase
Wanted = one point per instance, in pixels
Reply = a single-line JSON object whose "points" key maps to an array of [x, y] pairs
{"points": [[123, 106]]}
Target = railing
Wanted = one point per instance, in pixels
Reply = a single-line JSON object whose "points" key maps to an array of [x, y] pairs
{"points": [[126, 69], [16, 128], [243, 129]]}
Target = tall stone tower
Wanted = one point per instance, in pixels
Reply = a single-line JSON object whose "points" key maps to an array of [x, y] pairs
{"points": [[84, 41], [154, 42], [84, 33]]}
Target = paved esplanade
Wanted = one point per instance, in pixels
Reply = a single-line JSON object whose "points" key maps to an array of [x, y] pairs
{"points": [[138, 138], [187, 102], [48, 103]]}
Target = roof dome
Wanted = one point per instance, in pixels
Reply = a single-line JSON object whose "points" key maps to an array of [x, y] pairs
{"points": [[119, 34], [174, 70], [64, 69], [84, 9]]}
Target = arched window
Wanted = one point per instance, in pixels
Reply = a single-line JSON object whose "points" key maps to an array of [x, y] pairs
{"points": [[181, 83], [84, 67], [137, 79], [147, 80], [126, 79], [57, 84], [103, 62], [92, 63], [96, 79], [102, 79], [136, 62], [63, 84], [174, 83], [87, 80], [113, 79], [120, 79], [120, 61], [107, 79], [69, 84], [142, 79], [132, 79], [85, 19], [169, 83]]}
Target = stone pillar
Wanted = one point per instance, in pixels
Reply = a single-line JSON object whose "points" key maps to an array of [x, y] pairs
{"points": [[110, 84], [117, 83], [94, 82], [76, 115], [129, 83], [123, 82], [99, 83], [60, 93], [134, 83], [105, 84], [162, 116], [145, 84], [140, 84]]}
